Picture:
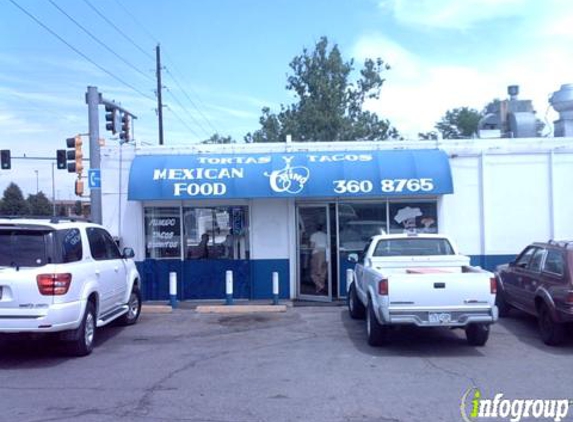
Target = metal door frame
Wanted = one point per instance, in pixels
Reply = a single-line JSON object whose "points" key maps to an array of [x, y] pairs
{"points": [[317, 298]]}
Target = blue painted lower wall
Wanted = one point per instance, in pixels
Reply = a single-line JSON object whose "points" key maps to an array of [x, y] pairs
{"points": [[489, 262], [252, 279], [205, 279]]}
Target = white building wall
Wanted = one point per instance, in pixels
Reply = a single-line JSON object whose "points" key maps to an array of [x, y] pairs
{"points": [[519, 192], [563, 195], [517, 201], [459, 213], [122, 218], [270, 229]]}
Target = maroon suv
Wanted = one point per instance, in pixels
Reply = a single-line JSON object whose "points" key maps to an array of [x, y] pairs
{"points": [[540, 282]]}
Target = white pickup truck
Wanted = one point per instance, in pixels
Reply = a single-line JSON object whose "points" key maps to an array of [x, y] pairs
{"points": [[421, 280]]}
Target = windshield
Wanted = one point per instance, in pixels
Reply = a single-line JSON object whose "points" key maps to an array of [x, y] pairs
{"points": [[19, 248], [413, 247]]}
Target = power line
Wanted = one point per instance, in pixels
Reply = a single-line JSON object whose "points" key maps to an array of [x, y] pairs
{"points": [[183, 122], [190, 100], [98, 41], [118, 30], [117, 78], [187, 112], [154, 39], [127, 12]]}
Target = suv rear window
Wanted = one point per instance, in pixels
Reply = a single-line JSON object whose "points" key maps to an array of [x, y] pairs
{"points": [[23, 248]]}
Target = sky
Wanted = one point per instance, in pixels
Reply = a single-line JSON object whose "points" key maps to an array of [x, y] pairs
{"points": [[224, 60]]}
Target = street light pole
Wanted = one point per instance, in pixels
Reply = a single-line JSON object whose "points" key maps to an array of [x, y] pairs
{"points": [[37, 182], [53, 191]]}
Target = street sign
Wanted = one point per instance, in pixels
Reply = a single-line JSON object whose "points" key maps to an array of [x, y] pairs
{"points": [[94, 178]]}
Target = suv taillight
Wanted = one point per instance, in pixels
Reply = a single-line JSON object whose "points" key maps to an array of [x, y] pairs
{"points": [[383, 287], [493, 285], [569, 298], [54, 284]]}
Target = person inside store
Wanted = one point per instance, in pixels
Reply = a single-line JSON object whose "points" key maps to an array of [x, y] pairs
{"points": [[318, 243], [204, 246]]}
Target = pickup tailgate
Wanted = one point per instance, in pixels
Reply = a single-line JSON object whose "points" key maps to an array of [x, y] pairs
{"points": [[436, 289]]}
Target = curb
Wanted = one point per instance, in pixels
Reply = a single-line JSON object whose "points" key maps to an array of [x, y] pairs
{"points": [[156, 309], [239, 309]]}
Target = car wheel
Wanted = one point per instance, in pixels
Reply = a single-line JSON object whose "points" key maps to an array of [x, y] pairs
{"points": [[552, 333], [378, 334], [477, 334], [83, 343], [134, 308], [355, 308], [502, 306]]}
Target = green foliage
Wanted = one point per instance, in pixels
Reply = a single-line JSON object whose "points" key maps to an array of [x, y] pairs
{"points": [[13, 202], [218, 139], [329, 105], [459, 123], [39, 204]]}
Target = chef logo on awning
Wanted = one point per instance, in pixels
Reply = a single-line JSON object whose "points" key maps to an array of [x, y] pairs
{"points": [[289, 179]]}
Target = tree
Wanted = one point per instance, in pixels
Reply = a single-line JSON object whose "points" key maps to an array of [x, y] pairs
{"points": [[329, 105], [39, 204], [459, 123], [13, 202], [218, 139]]}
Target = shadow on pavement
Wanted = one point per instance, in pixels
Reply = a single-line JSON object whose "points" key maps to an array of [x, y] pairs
{"points": [[524, 327], [410, 341], [29, 351]]}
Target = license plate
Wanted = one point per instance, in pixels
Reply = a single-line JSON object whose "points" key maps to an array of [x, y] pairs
{"points": [[440, 318]]}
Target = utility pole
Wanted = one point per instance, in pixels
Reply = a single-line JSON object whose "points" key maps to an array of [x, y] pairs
{"points": [[159, 87], [93, 99]]}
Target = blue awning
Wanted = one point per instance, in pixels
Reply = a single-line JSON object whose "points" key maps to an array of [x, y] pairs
{"points": [[297, 174]]}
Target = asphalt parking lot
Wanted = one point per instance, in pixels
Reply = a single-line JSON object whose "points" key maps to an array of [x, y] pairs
{"points": [[307, 364]]}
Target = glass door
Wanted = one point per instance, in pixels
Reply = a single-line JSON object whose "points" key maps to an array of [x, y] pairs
{"points": [[313, 251]]}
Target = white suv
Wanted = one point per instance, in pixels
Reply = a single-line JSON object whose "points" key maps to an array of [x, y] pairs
{"points": [[65, 276]]}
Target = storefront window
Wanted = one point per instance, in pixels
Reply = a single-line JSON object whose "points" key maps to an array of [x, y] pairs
{"points": [[416, 217], [358, 223], [216, 232], [162, 233]]}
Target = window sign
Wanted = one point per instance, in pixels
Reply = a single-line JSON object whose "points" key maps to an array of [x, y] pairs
{"points": [[162, 233], [413, 217]]}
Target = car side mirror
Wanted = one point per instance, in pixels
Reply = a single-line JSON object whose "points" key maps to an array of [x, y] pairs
{"points": [[128, 253], [353, 257]]}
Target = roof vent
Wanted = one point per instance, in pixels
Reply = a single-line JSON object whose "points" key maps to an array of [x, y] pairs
{"points": [[562, 102]]}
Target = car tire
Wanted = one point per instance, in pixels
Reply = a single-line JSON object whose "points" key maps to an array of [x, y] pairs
{"points": [[378, 334], [134, 308], [83, 343], [355, 308], [552, 332], [502, 306], [477, 334]]}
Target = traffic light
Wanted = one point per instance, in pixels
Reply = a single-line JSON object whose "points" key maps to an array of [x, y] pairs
{"points": [[112, 118], [79, 187], [125, 136], [61, 159], [6, 159], [75, 155]]}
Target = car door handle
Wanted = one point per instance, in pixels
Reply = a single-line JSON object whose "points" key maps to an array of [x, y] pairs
{"points": [[116, 269], [439, 285], [97, 272]]}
